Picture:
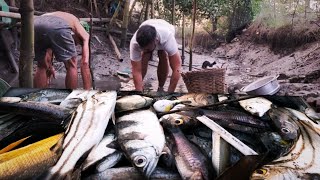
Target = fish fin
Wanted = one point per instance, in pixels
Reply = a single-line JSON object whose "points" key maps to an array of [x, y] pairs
{"points": [[13, 145], [57, 148]]}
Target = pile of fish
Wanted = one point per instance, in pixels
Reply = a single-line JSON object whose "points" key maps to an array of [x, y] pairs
{"points": [[78, 134]]}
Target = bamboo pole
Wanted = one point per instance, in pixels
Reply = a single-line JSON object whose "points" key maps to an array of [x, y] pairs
{"points": [[27, 44], [10, 15], [115, 48], [192, 35], [115, 14], [95, 19], [131, 9], [183, 38], [125, 24]]}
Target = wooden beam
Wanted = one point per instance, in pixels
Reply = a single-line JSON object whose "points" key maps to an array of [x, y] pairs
{"points": [[115, 48]]}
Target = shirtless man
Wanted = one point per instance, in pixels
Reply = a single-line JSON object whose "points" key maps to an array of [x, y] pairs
{"points": [[159, 35], [58, 33]]}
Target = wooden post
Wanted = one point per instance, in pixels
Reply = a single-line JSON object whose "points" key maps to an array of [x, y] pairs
{"points": [[192, 35], [152, 9], [173, 12], [125, 24], [27, 44], [183, 38], [146, 13]]}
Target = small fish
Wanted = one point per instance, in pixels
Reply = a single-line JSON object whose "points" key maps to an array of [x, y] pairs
{"points": [[30, 161], [198, 99], [133, 102], [85, 130], [190, 161], [100, 151], [133, 174], [141, 138], [109, 161], [284, 123], [256, 106], [301, 161]]}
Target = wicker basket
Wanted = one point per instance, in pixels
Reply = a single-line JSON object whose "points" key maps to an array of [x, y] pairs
{"points": [[208, 81]]}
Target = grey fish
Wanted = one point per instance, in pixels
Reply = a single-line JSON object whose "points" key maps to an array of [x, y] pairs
{"points": [[37, 109], [84, 132], [141, 138], [284, 123], [133, 174], [167, 158], [183, 119], [109, 161], [55, 96], [204, 144], [190, 161]]}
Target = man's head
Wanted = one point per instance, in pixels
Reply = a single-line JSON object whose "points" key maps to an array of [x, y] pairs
{"points": [[146, 37]]}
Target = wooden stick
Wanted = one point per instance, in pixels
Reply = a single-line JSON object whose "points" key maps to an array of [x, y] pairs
{"points": [[16, 10], [235, 142], [90, 56], [111, 31], [10, 15], [116, 50]]}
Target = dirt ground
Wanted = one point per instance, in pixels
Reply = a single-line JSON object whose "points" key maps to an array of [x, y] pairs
{"points": [[244, 61]]}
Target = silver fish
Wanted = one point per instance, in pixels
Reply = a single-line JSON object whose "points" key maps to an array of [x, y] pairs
{"points": [[84, 132], [301, 162], [256, 106], [133, 174], [100, 151], [283, 121], [133, 102], [109, 161], [141, 137]]}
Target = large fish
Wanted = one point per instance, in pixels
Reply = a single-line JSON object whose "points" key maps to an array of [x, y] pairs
{"points": [[190, 161], [36, 109], [54, 96], [85, 130], [133, 174], [302, 162], [141, 137], [29, 161]]}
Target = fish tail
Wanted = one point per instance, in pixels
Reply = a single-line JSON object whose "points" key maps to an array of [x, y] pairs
{"points": [[57, 148]]}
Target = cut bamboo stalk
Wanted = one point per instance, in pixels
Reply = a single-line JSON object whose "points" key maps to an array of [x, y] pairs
{"points": [[235, 142]]}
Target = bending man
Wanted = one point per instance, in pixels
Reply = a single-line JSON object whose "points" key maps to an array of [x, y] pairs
{"points": [[155, 34], [59, 33]]}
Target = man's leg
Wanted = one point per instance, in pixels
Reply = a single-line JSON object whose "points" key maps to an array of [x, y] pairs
{"points": [[40, 79], [72, 74], [163, 68]]}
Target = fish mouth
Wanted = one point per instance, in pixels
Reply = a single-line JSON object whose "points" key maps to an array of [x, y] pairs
{"points": [[150, 167]]}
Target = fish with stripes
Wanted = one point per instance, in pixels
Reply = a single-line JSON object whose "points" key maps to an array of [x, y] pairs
{"points": [[141, 138], [85, 130]]}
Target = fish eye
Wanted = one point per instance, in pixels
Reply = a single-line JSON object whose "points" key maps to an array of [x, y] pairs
{"points": [[178, 121], [140, 161], [285, 130], [261, 171]]}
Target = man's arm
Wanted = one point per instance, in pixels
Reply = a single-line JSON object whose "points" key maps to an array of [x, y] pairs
{"points": [[137, 75], [85, 70], [175, 64]]}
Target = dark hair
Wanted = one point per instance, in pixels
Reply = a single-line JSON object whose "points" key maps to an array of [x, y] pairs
{"points": [[145, 35]]}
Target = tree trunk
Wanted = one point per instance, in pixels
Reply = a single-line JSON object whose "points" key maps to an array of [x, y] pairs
{"points": [[193, 28], [173, 12], [152, 9], [27, 44], [125, 23], [131, 10], [146, 13], [183, 38], [144, 4]]}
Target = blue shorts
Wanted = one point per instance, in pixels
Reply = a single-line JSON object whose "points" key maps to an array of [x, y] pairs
{"points": [[54, 33]]}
